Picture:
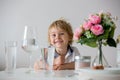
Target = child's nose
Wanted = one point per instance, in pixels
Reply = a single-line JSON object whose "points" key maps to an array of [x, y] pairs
{"points": [[58, 36]]}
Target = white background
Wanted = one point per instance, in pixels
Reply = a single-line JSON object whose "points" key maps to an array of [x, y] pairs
{"points": [[15, 14]]}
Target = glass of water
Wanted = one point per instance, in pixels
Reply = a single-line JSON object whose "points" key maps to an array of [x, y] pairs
{"points": [[10, 55], [50, 57], [47, 57]]}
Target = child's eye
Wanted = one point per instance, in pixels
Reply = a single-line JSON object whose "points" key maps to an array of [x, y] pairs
{"points": [[53, 35], [61, 33]]}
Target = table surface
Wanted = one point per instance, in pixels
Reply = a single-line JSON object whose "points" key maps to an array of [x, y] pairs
{"points": [[22, 74]]}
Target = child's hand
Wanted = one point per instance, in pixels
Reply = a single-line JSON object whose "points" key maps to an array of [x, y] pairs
{"points": [[59, 60], [58, 67], [38, 65], [58, 63]]}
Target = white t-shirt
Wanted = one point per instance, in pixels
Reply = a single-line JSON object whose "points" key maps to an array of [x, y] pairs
{"points": [[71, 53]]}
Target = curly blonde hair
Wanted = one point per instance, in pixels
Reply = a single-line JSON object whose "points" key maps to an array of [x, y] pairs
{"points": [[64, 25]]}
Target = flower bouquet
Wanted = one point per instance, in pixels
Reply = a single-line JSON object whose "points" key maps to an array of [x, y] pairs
{"points": [[96, 31]]}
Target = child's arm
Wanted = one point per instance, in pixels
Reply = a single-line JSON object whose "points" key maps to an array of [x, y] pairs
{"points": [[39, 65], [36, 66], [69, 66], [59, 64]]}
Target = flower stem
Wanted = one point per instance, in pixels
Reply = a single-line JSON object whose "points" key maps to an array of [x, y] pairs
{"points": [[100, 51]]}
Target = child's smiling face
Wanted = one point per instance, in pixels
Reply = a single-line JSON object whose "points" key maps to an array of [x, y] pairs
{"points": [[59, 38]]}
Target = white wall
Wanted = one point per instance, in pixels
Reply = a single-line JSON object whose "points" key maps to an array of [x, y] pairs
{"points": [[15, 14]]}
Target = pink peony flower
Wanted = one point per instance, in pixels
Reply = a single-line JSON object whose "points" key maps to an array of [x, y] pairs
{"points": [[95, 19], [87, 25], [78, 32], [97, 29]]}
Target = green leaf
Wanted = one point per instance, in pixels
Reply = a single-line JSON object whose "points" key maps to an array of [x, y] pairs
{"points": [[92, 44], [111, 33], [111, 42], [89, 42], [104, 35]]}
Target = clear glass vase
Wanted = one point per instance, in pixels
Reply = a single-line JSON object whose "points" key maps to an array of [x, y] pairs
{"points": [[99, 62]]}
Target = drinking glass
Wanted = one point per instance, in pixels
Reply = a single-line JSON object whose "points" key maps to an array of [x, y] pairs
{"points": [[47, 57], [50, 57], [10, 56], [29, 43]]}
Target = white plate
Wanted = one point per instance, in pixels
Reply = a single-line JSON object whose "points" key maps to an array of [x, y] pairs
{"points": [[105, 71]]}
